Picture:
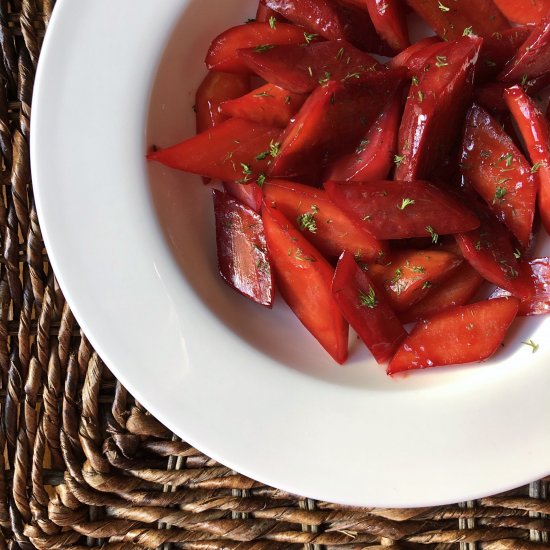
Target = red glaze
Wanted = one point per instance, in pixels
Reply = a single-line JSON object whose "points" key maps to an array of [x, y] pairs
{"points": [[332, 121], [532, 58], [498, 171], [302, 68], [222, 151], [463, 334], [388, 18], [415, 56], [384, 208], [321, 221], [269, 104], [410, 274], [457, 290], [366, 309], [374, 154], [497, 50], [535, 131], [242, 250], [450, 21], [525, 12], [248, 193], [304, 279], [222, 54], [539, 303], [490, 251], [333, 21], [435, 108]]}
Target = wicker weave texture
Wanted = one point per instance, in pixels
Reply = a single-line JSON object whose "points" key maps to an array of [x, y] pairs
{"points": [[86, 465]]}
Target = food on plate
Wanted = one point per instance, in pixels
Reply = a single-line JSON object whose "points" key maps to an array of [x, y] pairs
{"points": [[377, 193]]}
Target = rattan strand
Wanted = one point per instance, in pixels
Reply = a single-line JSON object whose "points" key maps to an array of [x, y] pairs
{"points": [[85, 464]]}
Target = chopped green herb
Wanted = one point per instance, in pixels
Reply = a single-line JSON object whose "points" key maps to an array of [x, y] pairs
{"points": [[352, 75], [272, 22], [478, 245], [324, 81], [288, 99], [500, 193], [247, 171], [310, 37], [398, 159], [441, 61], [427, 285], [362, 146], [307, 222], [263, 48], [261, 180], [535, 168], [367, 218], [532, 345], [524, 79], [368, 300], [263, 94], [310, 71], [397, 276], [405, 203], [274, 148], [468, 31], [415, 80], [517, 254], [262, 156], [442, 7], [340, 53], [433, 234], [508, 158], [420, 96], [299, 255]]}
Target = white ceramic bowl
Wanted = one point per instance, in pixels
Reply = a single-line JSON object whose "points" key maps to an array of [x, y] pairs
{"points": [[133, 248]]}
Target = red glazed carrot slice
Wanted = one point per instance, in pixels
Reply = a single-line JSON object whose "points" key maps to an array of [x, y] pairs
{"points": [[535, 131], [400, 210], [457, 290], [222, 54], [388, 18], [304, 279], [333, 21], [321, 221], [265, 14], [415, 56], [373, 157], [301, 68], [490, 251], [410, 274], [269, 104], [463, 334], [526, 12], [435, 107], [449, 19], [532, 58], [539, 303], [366, 309], [498, 171], [242, 250], [228, 151]]}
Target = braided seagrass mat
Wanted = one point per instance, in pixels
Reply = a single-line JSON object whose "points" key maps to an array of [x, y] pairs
{"points": [[86, 465]]}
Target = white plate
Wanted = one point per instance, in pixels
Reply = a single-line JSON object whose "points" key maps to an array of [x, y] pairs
{"points": [[247, 386]]}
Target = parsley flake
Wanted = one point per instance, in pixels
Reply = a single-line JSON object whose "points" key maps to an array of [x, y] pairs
{"points": [[398, 159], [468, 31], [532, 345], [307, 222], [427, 285], [324, 81], [310, 37], [441, 61], [274, 148], [406, 202], [442, 7], [524, 79], [261, 180], [262, 48], [368, 300], [263, 155], [535, 168], [517, 254], [420, 96], [415, 80], [500, 194], [273, 22], [433, 234]]}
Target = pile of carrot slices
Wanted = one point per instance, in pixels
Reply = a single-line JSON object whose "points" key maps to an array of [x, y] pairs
{"points": [[376, 192]]}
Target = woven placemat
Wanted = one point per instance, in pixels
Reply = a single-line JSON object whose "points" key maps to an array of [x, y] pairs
{"points": [[86, 465]]}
